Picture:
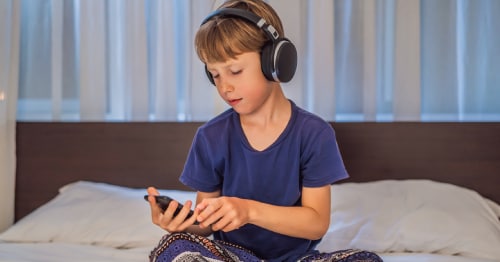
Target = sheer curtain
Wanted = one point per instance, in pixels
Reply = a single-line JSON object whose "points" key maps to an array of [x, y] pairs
{"points": [[360, 60], [9, 49], [93, 60], [461, 62]]}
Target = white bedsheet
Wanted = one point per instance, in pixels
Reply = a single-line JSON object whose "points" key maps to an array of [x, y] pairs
{"points": [[423, 257], [62, 252]]}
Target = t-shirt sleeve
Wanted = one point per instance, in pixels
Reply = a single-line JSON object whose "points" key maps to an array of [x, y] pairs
{"points": [[200, 172], [322, 160]]}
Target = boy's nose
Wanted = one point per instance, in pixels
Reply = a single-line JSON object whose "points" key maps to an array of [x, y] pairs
{"points": [[225, 86]]}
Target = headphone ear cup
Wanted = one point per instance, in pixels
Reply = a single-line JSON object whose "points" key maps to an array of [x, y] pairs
{"points": [[209, 75], [266, 60], [285, 60], [279, 61]]}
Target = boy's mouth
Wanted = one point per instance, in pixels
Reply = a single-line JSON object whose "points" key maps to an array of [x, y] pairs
{"points": [[233, 102]]}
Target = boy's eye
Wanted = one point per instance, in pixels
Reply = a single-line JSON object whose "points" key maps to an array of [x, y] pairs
{"points": [[215, 76], [236, 72]]}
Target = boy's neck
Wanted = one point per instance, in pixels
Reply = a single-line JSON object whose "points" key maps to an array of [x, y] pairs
{"points": [[276, 110], [263, 129]]}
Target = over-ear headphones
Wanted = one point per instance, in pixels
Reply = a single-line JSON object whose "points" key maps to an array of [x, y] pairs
{"points": [[278, 56]]}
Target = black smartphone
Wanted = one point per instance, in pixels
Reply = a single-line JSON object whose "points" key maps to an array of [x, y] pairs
{"points": [[163, 201]]}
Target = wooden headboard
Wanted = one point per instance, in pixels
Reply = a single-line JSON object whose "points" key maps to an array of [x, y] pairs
{"points": [[133, 154]]}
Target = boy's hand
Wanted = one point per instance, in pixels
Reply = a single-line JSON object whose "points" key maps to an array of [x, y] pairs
{"points": [[166, 220], [223, 213]]}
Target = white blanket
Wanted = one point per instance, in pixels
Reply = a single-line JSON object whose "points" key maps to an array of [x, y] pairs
{"points": [[63, 252]]}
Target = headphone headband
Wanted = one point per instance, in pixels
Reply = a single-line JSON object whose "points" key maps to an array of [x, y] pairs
{"points": [[260, 22]]}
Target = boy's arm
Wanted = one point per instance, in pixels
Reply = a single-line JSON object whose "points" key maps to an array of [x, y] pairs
{"points": [[310, 221]]}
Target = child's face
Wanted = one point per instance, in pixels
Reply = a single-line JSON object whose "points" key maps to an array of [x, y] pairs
{"points": [[241, 83]]}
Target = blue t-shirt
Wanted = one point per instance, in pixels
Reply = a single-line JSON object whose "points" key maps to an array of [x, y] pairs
{"points": [[304, 155]]}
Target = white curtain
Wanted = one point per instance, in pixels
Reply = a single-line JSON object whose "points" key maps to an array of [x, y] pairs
{"points": [[461, 62], [9, 57], [359, 60]]}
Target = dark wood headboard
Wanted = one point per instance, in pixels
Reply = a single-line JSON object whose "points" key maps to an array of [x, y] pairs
{"points": [[140, 154]]}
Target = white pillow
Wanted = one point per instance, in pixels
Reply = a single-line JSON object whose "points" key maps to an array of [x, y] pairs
{"points": [[93, 213], [412, 216]]}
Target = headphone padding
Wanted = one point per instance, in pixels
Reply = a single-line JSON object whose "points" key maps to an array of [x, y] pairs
{"points": [[209, 75], [266, 60]]}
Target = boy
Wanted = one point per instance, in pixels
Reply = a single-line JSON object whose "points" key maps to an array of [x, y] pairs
{"points": [[263, 168]]}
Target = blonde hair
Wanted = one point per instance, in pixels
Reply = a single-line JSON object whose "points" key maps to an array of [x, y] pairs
{"points": [[222, 38]]}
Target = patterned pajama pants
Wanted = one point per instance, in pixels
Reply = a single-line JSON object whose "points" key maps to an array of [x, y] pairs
{"points": [[186, 247]]}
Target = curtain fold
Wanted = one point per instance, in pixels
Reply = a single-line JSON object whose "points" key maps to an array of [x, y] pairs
{"points": [[319, 67], [369, 61], [407, 88], [163, 72], [9, 67], [56, 39], [91, 46]]}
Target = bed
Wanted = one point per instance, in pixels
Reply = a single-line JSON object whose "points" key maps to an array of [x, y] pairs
{"points": [[417, 191]]}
